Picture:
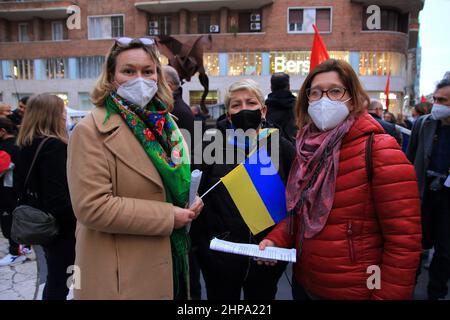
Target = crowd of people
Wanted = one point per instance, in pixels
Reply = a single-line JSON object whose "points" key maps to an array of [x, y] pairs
{"points": [[119, 186]]}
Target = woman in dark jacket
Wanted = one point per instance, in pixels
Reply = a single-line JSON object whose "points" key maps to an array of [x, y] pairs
{"points": [[226, 274], [45, 118], [8, 191]]}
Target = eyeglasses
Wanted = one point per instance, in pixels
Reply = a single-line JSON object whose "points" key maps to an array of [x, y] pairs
{"points": [[334, 94], [125, 41]]}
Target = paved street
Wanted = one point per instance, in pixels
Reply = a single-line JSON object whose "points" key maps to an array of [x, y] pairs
{"points": [[21, 282]]}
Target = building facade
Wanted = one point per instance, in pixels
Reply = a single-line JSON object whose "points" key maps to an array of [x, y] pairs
{"points": [[39, 53]]}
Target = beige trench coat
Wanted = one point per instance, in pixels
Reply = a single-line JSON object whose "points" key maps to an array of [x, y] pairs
{"points": [[124, 224]]}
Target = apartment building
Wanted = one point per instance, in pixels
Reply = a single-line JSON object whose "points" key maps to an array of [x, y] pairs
{"points": [[39, 53]]}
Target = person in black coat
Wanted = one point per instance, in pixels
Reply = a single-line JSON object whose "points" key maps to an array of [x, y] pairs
{"points": [[226, 274], [45, 118], [182, 112], [429, 151], [281, 104], [17, 115], [8, 191]]}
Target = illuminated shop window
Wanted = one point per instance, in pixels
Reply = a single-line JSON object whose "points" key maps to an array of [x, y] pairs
{"points": [[211, 63], [380, 63], [395, 100], [56, 68], [163, 59], [244, 64], [23, 69], [297, 62], [195, 97]]}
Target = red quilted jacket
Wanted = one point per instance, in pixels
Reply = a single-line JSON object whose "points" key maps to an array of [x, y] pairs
{"points": [[369, 224]]}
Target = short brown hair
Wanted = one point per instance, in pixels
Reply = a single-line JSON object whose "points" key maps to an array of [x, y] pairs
{"points": [[105, 86], [360, 99], [44, 118], [423, 108]]}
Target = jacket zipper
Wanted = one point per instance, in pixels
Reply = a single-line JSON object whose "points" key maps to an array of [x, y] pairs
{"points": [[350, 241]]}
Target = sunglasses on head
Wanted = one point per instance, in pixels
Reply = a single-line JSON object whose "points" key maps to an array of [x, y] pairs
{"points": [[125, 41]]}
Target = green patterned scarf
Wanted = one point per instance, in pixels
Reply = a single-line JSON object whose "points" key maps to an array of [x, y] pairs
{"points": [[162, 141]]}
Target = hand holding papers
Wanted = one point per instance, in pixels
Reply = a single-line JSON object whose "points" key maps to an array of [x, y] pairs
{"points": [[252, 250]]}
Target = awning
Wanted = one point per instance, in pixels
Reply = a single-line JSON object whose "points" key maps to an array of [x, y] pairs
{"points": [[23, 11]]}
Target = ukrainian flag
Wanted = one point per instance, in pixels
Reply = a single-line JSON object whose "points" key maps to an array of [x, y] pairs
{"points": [[257, 191]]}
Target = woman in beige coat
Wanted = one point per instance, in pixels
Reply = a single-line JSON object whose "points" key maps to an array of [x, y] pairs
{"points": [[128, 173]]}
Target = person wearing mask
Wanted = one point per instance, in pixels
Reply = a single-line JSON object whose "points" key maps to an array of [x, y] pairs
{"points": [[226, 274], [352, 195], [280, 105], [19, 112], [8, 191], [429, 151], [129, 177], [45, 118], [376, 111]]}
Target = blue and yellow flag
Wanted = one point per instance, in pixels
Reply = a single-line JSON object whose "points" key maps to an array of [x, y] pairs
{"points": [[257, 191]]}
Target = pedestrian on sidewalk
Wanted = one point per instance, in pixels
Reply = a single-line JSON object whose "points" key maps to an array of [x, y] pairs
{"points": [[46, 118], [8, 190], [429, 151]]}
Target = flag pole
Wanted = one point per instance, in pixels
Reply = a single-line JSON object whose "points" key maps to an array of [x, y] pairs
{"points": [[210, 189]]}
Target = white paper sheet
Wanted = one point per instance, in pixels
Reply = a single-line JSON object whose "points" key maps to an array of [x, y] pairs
{"points": [[272, 253], [196, 177]]}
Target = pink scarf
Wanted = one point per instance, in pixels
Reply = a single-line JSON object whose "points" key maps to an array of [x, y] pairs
{"points": [[312, 179]]}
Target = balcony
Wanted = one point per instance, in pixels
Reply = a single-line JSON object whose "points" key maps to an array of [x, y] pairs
{"points": [[23, 11], [168, 6], [404, 6]]}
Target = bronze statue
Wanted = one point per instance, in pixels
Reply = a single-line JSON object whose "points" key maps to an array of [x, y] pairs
{"points": [[187, 59]]}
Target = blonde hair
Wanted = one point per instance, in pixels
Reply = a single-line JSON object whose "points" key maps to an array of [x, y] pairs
{"points": [[248, 85], [104, 85], [44, 117]]}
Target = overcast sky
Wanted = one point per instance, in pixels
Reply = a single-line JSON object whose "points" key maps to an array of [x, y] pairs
{"points": [[435, 43]]}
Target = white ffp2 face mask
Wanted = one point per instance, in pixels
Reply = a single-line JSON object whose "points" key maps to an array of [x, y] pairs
{"points": [[138, 91], [327, 114], [440, 111]]}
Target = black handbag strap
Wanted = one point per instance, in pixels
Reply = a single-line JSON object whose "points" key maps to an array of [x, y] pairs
{"points": [[369, 163], [33, 162]]}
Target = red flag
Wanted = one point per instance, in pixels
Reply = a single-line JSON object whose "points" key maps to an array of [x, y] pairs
{"points": [[319, 52], [423, 99], [386, 91]]}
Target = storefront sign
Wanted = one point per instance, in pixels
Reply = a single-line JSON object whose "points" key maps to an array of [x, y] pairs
{"points": [[291, 66]]}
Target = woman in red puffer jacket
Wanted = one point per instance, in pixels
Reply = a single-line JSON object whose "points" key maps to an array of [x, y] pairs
{"points": [[355, 222]]}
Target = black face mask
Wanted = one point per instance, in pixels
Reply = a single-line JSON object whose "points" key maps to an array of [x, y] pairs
{"points": [[246, 119]]}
